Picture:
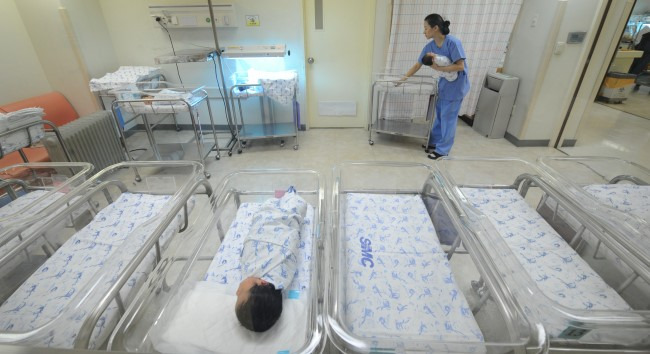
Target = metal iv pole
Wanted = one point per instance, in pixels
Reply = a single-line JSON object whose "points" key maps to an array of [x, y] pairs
{"points": [[224, 94]]}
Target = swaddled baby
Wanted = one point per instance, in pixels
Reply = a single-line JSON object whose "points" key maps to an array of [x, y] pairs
{"points": [[440, 60], [269, 260]]}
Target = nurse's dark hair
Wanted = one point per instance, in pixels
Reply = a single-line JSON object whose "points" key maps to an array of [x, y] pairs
{"points": [[437, 20], [262, 309]]}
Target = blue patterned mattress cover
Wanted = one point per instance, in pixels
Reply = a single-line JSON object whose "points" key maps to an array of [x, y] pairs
{"points": [[28, 201], [44, 296], [628, 198], [398, 281], [559, 272], [225, 268]]}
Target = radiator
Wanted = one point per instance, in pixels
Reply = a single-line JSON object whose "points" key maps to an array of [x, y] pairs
{"points": [[92, 138]]}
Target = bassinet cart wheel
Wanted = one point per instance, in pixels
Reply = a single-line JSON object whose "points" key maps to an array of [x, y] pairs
{"points": [[229, 153], [295, 147], [371, 142], [281, 143], [178, 129], [239, 151], [217, 157], [207, 175]]}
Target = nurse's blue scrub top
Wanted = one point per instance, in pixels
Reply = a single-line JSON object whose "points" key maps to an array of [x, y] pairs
{"points": [[452, 49]]}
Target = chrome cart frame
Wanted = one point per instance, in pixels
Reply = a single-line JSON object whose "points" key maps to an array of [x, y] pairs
{"points": [[154, 299], [89, 193], [386, 178], [520, 281], [140, 105], [26, 127], [265, 130], [416, 85]]}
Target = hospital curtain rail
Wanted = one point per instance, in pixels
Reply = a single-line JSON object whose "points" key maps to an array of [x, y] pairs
{"points": [[484, 28]]}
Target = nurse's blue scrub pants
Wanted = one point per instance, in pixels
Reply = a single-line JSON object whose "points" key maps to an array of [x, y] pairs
{"points": [[444, 127]]}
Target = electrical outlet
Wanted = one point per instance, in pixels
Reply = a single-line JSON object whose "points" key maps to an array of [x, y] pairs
{"points": [[534, 21]]}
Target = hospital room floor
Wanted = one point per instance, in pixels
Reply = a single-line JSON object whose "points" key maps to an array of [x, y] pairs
{"points": [[321, 149], [607, 132], [612, 132]]}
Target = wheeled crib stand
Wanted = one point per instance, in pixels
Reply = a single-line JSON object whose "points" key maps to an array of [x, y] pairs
{"points": [[197, 284], [401, 266], [582, 298], [144, 104], [402, 107], [68, 281]]}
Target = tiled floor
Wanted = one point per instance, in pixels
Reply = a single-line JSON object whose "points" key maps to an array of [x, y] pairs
{"points": [[321, 149], [637, 103], [610, 132]]}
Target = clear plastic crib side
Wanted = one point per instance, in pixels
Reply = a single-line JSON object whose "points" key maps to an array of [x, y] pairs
{"points": [[615, 191], [564, 269], [159, 305], [49, 180], [77, 306], [385, 194]]}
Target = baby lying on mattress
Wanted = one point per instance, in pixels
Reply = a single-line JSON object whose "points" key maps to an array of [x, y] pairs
{"points": [[269, 260]]}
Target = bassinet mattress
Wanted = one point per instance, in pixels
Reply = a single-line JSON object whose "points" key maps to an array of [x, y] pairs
{"points": [[225, 268], [399, 282], [628, 198], [45, 295], [561, 274], [34, 202]]}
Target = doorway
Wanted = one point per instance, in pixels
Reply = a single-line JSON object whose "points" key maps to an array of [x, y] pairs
{"points": [[338, 41], [611, 116]]}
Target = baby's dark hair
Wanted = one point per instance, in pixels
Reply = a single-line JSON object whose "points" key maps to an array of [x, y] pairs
{"points": [[262, 309], [427, 60], [437, 20]]}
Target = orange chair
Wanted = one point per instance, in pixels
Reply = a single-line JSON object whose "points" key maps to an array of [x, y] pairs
{"points": [[58, 110]]}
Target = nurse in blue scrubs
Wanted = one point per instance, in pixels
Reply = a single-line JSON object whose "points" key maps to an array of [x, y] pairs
{"points": [[450, 93]]}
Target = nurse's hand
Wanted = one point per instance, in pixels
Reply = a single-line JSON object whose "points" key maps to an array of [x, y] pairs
{"points": [[401, 81]]}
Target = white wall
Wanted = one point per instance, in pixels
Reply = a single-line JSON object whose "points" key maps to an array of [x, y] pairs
{"points": [[548, 79], [137, 42], [598, 65], [91, 36], [55, 49], [525, 55], [21, 74]]}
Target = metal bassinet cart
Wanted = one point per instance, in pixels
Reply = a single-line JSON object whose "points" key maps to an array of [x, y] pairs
{"points": [[144, 103], [75, 270], [158, 319], [580, 297], [398, 280], [269, 127], [402, 107]]}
